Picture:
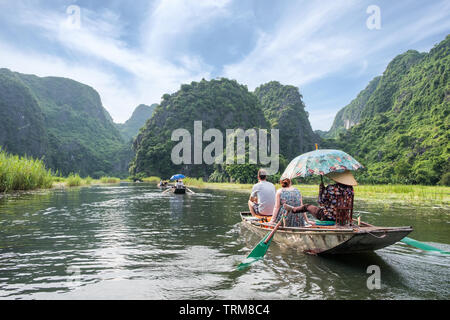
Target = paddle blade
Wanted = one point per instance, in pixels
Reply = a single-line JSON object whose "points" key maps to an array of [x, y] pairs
{"points": [[421, 245], [257, 253]]}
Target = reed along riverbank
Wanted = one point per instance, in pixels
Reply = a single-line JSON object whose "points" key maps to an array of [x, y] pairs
{"points": [[23, 173]]}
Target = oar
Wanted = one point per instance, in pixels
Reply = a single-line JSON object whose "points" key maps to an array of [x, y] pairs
{"points": [[190, 190], [261, 248], [421, 245], [167, 190]]}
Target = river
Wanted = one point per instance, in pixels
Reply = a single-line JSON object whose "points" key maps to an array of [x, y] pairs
{"points": [[130, 241]]}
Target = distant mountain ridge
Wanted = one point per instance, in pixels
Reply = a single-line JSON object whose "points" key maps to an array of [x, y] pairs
{"points": [[140, 115], [62, 121]]}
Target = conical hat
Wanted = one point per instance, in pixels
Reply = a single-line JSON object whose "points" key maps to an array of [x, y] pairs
{"points": [[345, 177]]}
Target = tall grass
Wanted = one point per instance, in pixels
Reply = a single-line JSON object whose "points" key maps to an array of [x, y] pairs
{"points": [[74, 180], [22, 173], [109, 180], [152, 179], [194, 182], [88, 180]]}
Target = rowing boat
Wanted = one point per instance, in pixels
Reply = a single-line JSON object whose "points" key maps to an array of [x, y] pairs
{"points": [[330, 239]]}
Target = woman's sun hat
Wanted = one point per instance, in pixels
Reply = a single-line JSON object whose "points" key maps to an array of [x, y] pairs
{"points": [[345, 177]]}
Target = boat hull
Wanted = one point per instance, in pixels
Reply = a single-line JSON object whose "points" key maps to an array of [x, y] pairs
{"points": [[331, 240], [179, 190]]}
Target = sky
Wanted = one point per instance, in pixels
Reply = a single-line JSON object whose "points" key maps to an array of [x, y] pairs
{"points": [[133, 52]]}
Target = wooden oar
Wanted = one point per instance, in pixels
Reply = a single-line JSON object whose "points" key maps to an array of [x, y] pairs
{"points": [[261, 248], [190, 190]]}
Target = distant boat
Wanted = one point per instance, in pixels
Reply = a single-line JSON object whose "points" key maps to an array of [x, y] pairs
{"points": [[330, 239]]}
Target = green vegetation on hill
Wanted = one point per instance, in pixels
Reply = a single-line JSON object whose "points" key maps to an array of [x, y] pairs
{"points": [[404, 131], [62, 121], [350, 115], [131, 127], [284, 109], [220, 104]]}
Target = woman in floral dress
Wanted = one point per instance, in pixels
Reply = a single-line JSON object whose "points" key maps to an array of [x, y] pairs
{"points": [[292, 197]]}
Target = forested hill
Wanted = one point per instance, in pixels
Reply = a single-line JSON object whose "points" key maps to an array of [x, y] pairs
{"points": [[220, 104], [284, 109], [350, 115], [131, 127], [62, 121], [403, 135]]}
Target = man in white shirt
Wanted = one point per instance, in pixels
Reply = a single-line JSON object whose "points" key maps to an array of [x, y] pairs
{"points": [[262, 199]]}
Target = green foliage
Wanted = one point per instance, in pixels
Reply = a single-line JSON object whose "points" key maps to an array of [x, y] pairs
{"points": [[405, 139], [445, 180], [284, 109], [109, 180], [61, 121], [151, 179], [22, 173], [74, 180], [88, 180], [220, 104]]}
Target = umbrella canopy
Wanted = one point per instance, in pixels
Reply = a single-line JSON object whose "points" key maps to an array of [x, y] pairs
{"points": [[177, 176], [320, 162]]}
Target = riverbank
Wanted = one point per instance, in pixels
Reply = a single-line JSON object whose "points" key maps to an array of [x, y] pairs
{"points": [[410, 194], [76, 181]]}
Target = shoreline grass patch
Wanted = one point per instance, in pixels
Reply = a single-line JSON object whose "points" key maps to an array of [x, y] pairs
{"points": [[109, 180], [74, 180], [23, 173]]}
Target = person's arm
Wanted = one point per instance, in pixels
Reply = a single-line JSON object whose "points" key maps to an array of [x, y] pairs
{"points": [[277, 206], [306, 219], [253, 195]]}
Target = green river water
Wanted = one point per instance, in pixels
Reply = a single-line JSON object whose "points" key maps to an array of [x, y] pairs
{"points": [[130, 241]]}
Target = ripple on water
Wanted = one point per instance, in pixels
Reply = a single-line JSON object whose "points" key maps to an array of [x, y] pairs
{"points": [[133, 241]]}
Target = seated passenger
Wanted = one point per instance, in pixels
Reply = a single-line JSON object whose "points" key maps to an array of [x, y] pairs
{"points": [[179, 184], [288, 197], [332, 197], [262, 198]]}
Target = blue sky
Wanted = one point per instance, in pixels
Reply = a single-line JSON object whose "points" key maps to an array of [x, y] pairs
{"points": [[133, 52]]}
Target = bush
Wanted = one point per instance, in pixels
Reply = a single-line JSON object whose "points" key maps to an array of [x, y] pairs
{"points": [[445, 180]]}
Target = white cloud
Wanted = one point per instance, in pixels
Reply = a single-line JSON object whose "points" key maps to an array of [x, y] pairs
{"points": [[96, 42], [300, 50], [309, 41]]}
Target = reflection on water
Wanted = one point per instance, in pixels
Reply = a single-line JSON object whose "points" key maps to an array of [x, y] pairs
{"points": [[134, 242]]}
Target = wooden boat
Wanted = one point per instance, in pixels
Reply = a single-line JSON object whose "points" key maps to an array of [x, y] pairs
{"points": [[330, 239], [179, 190]]}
